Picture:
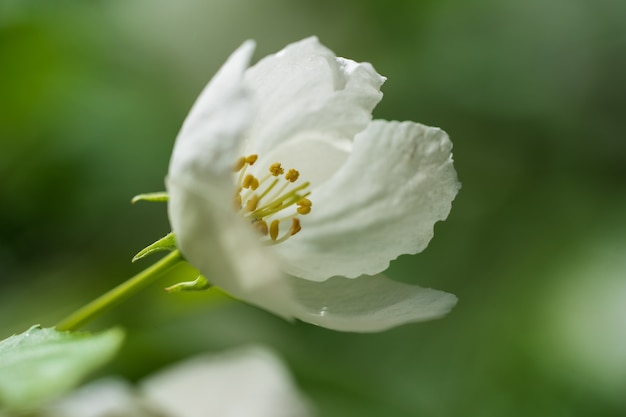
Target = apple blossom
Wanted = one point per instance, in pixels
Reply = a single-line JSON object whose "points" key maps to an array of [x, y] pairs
{"points": [[284, 193]]}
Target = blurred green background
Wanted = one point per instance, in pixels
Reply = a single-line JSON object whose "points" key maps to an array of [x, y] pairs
{"points": [[533, 94]]}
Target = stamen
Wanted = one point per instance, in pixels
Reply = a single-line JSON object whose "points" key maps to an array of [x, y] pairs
{"points": [[304, 206], [239, 164], [250, 181], [274, 230], [269, 188], [242, 165], [271, 199], [303, 210], [252, 203], [251, 159], [261, 227], [276, 169], [247, 181], [292, 175], [305, 202], [295, 226], [251, 190], [283, 201], [278, 192]]}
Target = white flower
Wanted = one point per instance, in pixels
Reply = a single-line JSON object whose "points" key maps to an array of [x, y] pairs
{"points": [[247, 382], [108, 397], [374, 190]]}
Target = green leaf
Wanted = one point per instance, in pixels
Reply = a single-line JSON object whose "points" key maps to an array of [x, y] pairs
{"points": [[166, 243], [198, 284], [43, 363], [152, 197]]}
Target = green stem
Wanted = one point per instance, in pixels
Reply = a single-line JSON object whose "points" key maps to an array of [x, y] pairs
{"points": [[120, 293]]}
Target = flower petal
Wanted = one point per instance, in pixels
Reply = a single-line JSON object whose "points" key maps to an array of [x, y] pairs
{"points": [[223, 247], [208, 143], [368, 303], [110, 396], [316, 160], [306, 90], [209, 234], [383, 202], [248, 381]]}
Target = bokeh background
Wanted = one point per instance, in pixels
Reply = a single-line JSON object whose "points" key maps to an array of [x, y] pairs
{"points": [[533, 94]]}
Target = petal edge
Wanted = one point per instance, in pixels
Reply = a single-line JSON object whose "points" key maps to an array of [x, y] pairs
{"points": [[368, 303], [384, 201]]}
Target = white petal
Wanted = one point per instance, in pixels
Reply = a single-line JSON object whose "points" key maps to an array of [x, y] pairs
{"points": [[210, 235], [248, 382], [368, 303], [223, 247], [305, 90], [317, 159], [383, 202], [102, 398], [209, 141]]}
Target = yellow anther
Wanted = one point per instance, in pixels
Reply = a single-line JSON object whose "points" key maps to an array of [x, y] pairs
{"points": [[252, 203], [276, 169], [274, 196], [304, 209], [304, 206], [261, 227], [305, 202], [239, 164], [274, 229], [250, 181], [247, 181], [292, 175], [295, 226]]}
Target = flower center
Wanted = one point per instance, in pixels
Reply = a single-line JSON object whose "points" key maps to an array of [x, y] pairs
{"points": [[272, 201]]}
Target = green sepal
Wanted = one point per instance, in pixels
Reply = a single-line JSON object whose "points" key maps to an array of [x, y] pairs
{"points": [[166, 243], [198, 284], [44, 363], [151, 197]]}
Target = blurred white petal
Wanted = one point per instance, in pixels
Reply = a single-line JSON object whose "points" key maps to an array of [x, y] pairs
{"points": [[248, 382], [245, 382], [110, 397]]}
